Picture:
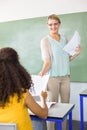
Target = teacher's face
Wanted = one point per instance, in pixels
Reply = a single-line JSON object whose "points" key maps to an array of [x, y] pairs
{"points": [[53, 26]]}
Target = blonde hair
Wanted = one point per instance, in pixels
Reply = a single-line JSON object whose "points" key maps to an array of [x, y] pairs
{"points": [[54, 16]]}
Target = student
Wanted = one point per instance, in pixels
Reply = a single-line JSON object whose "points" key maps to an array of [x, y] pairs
{"points": [[56, 62], [15, 98]]}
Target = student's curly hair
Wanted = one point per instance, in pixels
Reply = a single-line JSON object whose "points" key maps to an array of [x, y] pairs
{"points": [[13, 76]]}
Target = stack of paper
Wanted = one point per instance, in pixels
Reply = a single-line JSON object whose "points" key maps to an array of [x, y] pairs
{"points": [[39, 84], [72, 44]]}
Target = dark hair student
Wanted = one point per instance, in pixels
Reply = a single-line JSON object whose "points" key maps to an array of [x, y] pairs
{"points": [[15, 98]]}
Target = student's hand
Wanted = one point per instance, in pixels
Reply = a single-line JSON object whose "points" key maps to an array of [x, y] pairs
{"points": [[43, 95], [39, 110]]}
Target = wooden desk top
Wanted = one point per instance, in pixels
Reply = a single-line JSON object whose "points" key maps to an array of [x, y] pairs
{"points": [[59, 110]]}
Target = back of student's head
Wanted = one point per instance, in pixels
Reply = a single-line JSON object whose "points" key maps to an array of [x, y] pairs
{"points": [[13, 76]]}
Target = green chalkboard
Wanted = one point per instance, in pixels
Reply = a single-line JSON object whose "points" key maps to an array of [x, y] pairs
{"points": [[25, 36]]}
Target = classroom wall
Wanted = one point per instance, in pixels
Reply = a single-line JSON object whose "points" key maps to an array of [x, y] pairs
{"points": [[22, 9]]}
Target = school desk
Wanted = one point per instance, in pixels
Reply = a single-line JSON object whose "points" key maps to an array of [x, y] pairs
{"points": [[83, 94], [58, 113]]}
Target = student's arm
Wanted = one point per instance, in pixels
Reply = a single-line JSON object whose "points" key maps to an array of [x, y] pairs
{"points": [[78, 51], [40, 111]]}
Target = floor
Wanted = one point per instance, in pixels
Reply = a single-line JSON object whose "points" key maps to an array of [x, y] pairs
{"points": [[41, 125], [76, 125]]}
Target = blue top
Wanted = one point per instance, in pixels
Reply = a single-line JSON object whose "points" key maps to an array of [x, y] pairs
{"points": [[60, 59]]}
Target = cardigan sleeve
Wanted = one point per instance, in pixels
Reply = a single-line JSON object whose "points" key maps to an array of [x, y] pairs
{"points": [[46, 49]]}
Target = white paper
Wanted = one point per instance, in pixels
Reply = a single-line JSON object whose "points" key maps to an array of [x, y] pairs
{"points": [[40, 83], [72, 44], [49, 104]]}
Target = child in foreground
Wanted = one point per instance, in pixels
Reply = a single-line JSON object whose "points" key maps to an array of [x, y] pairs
{"points": [[15, 98]]}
